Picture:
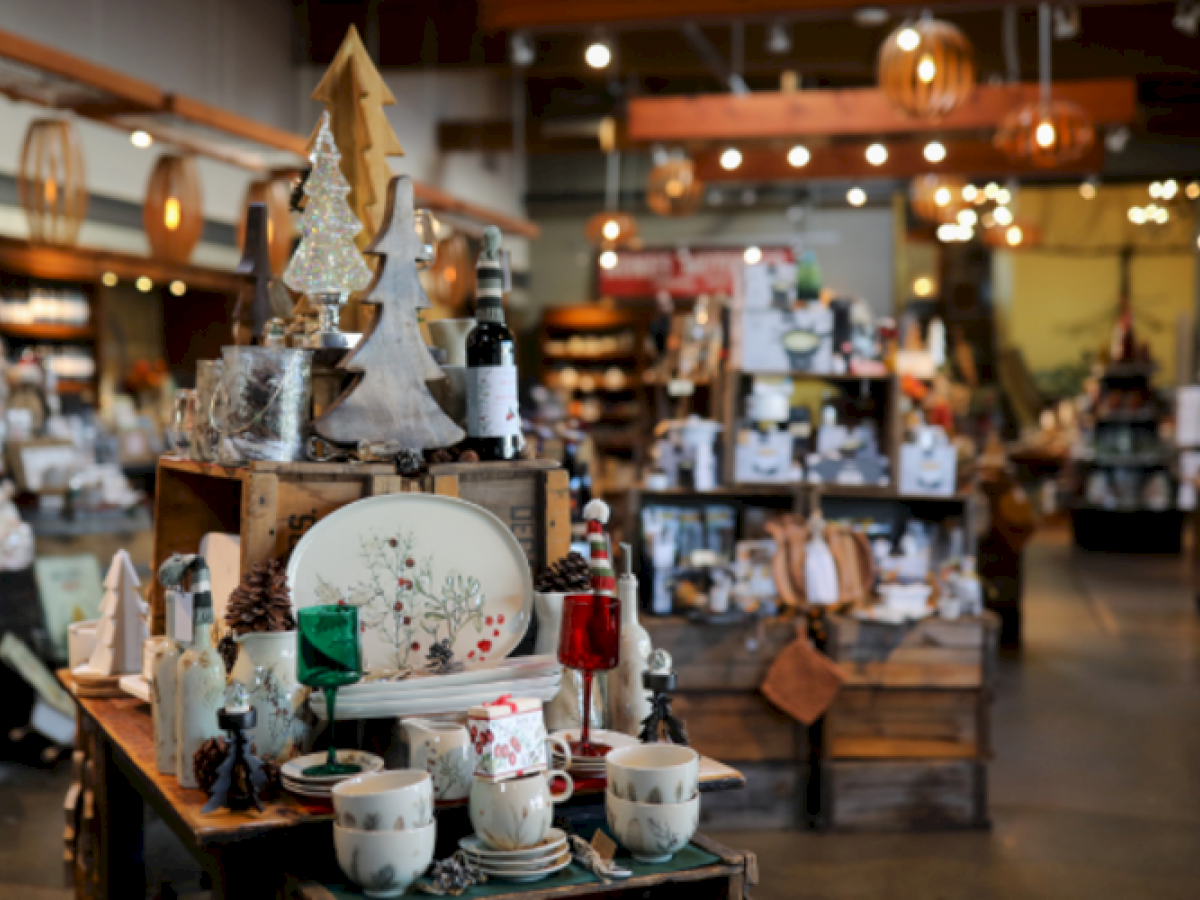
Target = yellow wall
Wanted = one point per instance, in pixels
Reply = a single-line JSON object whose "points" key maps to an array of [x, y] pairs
{"points": [[1058, 300]]}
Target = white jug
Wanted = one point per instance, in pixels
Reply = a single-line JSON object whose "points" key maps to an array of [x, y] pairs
{"points": [[443, 749]]}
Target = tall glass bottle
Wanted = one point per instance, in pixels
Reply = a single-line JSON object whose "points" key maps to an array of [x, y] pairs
{"points": [[493, 409], [199, 686], [165, 668]]}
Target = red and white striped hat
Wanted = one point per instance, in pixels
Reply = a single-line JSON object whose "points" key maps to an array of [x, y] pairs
{"points": [[604, 579]]}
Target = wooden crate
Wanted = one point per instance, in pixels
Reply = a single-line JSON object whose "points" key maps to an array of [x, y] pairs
{"points": [[773, 798], [737, 726], [931, 653], [273, 505], [903, 795], [902, 723], [720, 657]]}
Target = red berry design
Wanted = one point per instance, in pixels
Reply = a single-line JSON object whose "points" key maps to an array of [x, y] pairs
{"points": [[485, 646], [398, 606], [488, 620], [416, 646], [341, 603], [495, 634], [410, 562], [500, 619], [471, 655], [407, 620], [393, 543]]}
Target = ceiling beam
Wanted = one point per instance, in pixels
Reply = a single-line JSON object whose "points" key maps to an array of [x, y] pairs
{"points": [[854, 111], [506, 15], [969, 158]]}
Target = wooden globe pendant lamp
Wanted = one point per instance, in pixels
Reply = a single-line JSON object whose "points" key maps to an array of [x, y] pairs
{"points": [[926, 68], [52, 183], [1049, 132], [172, 214], [937, 198], [672, 188]]}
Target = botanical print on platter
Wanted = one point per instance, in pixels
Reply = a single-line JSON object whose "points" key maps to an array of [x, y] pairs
{"points": [[408, 604]]}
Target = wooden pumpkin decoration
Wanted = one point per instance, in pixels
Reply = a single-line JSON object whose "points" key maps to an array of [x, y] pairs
{"points": [[937, 198], [926, 68], [611, 229], [51, 182], [1046, 133], [173, 215], [672, 188], [274, 192]]}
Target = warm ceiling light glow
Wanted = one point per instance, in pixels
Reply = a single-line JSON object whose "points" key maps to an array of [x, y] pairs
{"points": [[908, 40], [1193, 190], [969, 193], [1003, 197], [935, 152], [1137, 215], [990, 190], [1003, 215], [1014, 236], [1044, 134], [144, 284], [752, 256], [178, 288], [923, 286], [1087, 190], [731, 159], [856, 196], [109, 279], [798, 156], [1170, 188], [967, 217], [1161, 216], [598, 55], [942, 196], [608, 260], [171, 213], [673, 188], [140, 139], [877, 154], [926, 69], [1156, 189], [611, 230]]}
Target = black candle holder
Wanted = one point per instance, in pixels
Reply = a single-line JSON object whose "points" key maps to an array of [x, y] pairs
{"points": [[661, 724], [240, 778]]}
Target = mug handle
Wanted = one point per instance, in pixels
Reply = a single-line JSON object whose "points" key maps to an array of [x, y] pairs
{"points": [[564, 747], [565, 795]]}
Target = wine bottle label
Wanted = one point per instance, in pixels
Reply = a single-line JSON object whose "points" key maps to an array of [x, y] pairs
{"points": [[492, 407]]}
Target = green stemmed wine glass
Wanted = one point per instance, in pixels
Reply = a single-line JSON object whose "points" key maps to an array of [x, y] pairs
{"points": [[330, 656]]}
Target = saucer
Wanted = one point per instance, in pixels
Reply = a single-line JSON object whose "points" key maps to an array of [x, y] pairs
{"points": [[554, 840], [294, 768]]}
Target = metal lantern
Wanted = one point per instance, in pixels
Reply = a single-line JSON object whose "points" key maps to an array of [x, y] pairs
{"points": [[51, 182], [274, 192], [1046, 133], [926, 68], [937, 198], [172, 214], [672, 188], [611, 229]]}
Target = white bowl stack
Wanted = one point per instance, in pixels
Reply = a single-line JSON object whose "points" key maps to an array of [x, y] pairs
{"points": [[653, 799]]}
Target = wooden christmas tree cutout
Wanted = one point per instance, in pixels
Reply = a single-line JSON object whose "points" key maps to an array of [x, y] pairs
{"points": [[355, 94], [122, 627], [391, 401]]}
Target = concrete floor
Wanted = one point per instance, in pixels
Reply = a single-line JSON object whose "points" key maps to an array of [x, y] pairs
{"points": [[1095, 787]]}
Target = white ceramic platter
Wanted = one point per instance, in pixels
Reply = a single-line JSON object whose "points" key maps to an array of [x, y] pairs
{"points": [[293, 769], [555, 838], [421, 568], [506, 670], [449, 694], [443, 702]]}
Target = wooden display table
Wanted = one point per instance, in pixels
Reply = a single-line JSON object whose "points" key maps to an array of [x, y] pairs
{"points": [[254, 854]]}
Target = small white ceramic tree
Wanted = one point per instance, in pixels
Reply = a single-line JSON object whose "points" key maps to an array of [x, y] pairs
{"points": [[122, 627]]}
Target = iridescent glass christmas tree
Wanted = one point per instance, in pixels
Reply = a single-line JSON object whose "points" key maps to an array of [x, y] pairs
{"points": [[327, 267]]}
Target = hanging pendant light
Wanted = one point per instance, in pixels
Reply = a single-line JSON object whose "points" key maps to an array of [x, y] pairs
{"points": [[937, 198], [610, 229], [51, 183], [672, 188], [1018, 235], [172, 214], [1047, 132], [926, 67]]}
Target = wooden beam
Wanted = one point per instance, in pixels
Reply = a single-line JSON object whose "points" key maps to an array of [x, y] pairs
{"points": [[193, 143], [239, 126], [504, 15], [906, 159], [440, 201], [496, 135], [854, 111]]}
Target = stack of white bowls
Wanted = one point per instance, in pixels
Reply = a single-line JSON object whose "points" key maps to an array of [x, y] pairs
{"points": [[383, 830], [653, 799]]}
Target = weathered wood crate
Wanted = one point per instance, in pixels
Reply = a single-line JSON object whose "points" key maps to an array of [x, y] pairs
{"points": [[904, 796], [273, 505]]}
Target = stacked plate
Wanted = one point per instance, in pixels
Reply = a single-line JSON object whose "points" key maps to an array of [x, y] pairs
{"points": [[320, 787], [520, 866], [590, 766], [422, 693]]}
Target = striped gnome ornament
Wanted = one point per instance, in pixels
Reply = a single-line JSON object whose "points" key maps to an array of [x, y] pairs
{"points": [[604, 579]]}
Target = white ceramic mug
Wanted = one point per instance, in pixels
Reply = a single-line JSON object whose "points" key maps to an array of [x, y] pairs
{"points": [[384, 801], [516, 814], [384, 863], [653, 773]]}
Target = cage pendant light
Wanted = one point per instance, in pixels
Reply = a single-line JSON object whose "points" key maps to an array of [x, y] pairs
{"points": [[672, 188], [926, 68], [173, 214], [51, 183], [1048, 132], [610, 230], [937, 198]]}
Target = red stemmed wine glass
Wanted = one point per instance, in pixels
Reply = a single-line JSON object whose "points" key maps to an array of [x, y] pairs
{"points": [[590, 642]]}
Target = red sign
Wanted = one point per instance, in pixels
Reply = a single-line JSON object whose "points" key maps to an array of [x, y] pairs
{"points": [[681, 273]]}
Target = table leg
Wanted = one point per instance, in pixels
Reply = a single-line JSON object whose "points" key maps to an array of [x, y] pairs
{"points": [[121, 871], [245, 872]]}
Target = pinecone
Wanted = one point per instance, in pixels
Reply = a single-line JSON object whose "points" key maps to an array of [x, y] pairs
{"points": [[569, 575], [228, 648], [262, 602], [207, 760]]}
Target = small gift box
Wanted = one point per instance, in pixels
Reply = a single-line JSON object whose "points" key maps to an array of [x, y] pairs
{"points": [[509, 737]]}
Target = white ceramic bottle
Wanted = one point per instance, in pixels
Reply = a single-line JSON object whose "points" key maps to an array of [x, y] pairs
{"points": [[200, 691], [165, 668], [628, 701]]}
